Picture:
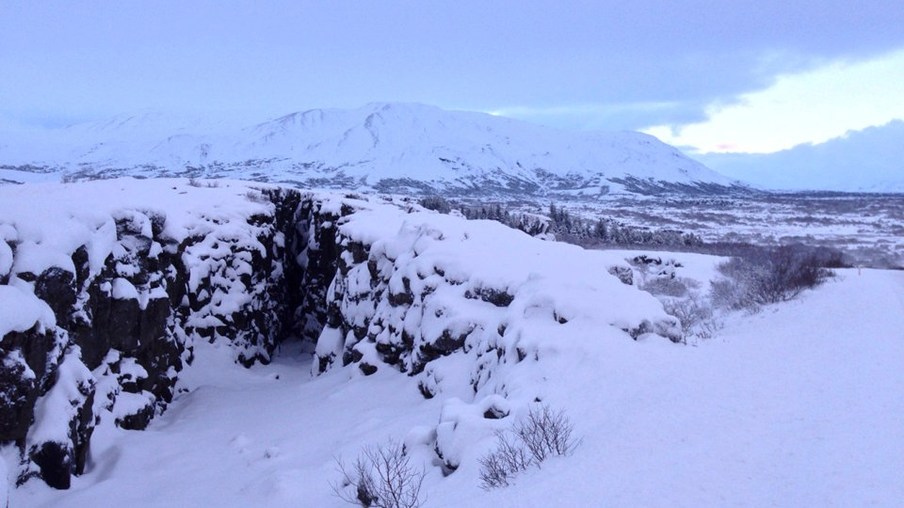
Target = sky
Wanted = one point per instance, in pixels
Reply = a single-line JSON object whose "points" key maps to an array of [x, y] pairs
{"points": [[708, 76]]}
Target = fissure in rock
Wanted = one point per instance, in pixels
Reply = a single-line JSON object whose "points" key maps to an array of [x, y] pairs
{"points": [[124, 332]]}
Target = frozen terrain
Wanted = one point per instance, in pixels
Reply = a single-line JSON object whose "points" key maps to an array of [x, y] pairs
{"points": [[433, 331], [795, 406], [868, 227]]}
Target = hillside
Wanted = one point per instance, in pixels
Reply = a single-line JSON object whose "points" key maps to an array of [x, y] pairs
{"points": [[382, 146]]}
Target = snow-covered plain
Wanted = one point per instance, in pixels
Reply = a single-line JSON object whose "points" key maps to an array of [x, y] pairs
{"points": [[869, 227], [798, 405]]}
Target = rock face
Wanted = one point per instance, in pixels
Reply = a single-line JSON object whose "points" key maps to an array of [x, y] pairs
{"points": [[29, 359], [473, 312], [437, 287], [100, 310], [118, 323]]}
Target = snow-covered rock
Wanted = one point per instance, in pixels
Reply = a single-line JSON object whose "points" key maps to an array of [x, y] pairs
{"points": [[439, 285], [109, 284], [102, 306]]}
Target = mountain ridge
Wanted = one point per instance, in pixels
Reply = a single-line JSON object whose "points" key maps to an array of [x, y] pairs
{"points": [[403, 147]]}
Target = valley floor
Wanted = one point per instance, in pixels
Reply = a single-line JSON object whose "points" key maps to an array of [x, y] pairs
{"points": [[798, 405]]}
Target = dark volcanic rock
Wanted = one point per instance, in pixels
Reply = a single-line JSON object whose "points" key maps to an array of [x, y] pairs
{"points": [[151, 297], [61, 444], [55, 462], [497, 297], [57, 287], [26, 363], [17, 397], [138, 420]]}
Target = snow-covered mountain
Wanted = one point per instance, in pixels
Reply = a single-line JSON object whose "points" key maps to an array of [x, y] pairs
{"points": [[383, 146]]}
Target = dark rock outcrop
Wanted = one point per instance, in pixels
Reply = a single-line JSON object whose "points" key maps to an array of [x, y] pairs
{"points": [[127, 320], [131, 321], [27, 362]]}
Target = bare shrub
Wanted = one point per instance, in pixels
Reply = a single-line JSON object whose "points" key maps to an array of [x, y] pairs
{"points": [[738, 289], [696, 316], [669, 286], [437, 203], [498, 468], [195, 182], [381, 477], [770, 276], [256, 196], [544, 433]]}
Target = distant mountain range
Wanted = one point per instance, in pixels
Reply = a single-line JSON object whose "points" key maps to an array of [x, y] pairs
{"points": [[387, 147]]}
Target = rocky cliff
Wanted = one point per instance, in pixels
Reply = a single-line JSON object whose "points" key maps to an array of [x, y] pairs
{"points": [[106, 286], [118, 297]]}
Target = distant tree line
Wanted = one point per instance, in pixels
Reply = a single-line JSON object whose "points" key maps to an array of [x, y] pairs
{"points": [[607, 231], [567, 227], [532, 224]]}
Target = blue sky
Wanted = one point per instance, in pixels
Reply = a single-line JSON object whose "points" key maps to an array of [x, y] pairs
{"points": [[704, 75]]}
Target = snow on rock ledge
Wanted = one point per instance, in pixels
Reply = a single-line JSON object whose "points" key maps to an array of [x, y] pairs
{"points": [[413, 287], [480, 314], [105, 286]]}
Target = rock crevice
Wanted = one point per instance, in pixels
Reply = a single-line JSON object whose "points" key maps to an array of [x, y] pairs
{"points": [[122, 331]]}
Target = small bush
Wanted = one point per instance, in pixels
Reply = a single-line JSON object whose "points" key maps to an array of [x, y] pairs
{"points": [[770, 276], [544, 433], [195, 182], [669, 286], [497, 469], [696, 316], [381, 477], [256, 196], [436, 203]]}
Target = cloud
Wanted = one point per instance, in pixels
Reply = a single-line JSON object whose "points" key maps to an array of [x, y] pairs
{"points": [[84, 58], [626, 116], [813, 106], [871, 159]]}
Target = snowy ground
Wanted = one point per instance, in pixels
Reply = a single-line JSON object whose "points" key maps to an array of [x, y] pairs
{"points": [[798, 405], [869, 227]]}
